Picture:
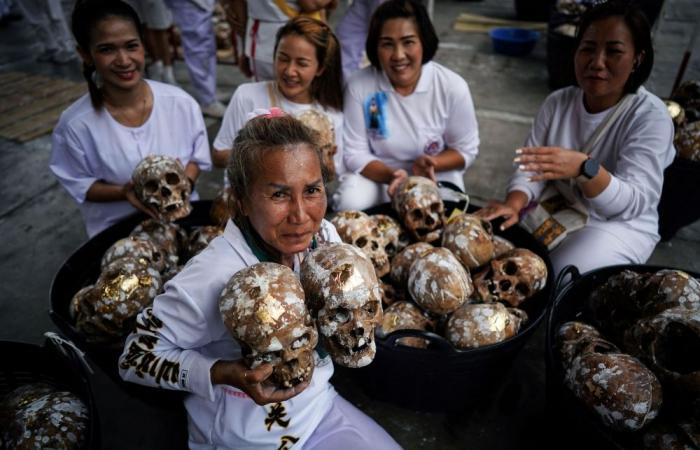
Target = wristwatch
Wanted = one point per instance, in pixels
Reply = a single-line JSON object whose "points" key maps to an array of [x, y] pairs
{"points": [[589, 169]]}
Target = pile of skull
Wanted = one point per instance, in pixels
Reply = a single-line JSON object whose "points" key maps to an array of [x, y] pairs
{"points": [[655, 319], [684, 108], [469, 310], [134, 269]]}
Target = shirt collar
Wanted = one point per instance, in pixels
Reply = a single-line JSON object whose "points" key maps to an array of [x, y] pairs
{"points": [[426, 75]]}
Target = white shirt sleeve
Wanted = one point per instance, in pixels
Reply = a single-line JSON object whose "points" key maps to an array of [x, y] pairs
{"points": [[356, 149], [234, 119], [637, 180], [200, 140], [70, 164], [462, 130]]}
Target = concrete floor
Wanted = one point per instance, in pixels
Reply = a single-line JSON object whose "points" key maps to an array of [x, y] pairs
{"points": [[41, 227]]}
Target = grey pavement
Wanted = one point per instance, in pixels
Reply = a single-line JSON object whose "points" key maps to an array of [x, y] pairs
{"points": [[41, 227]]}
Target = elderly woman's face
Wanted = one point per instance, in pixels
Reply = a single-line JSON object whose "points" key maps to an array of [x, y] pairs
{"points": [[400, 53], [288, 199], [604, 60]]}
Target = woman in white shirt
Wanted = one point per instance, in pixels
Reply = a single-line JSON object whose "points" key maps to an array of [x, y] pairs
{"points": [[182, 343], [619, 182], [308, 76], [405, 113], [101, 137]]}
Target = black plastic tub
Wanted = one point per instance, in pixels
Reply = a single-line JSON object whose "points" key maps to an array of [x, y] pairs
{"points": [[575, 425], [441, 377], [56, 364], [83, 268], [676, 206]]}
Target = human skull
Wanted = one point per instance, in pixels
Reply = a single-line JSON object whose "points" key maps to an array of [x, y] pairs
{"points": [[39, 415], [142, 249], [501, 246], [107, 310], [401, 264], [571, 337], [344, 298], [418, 203], [391, 294], [672, 436], [391, 233], [323, 125], [688, 96], [438, 282], [169, 236], [676, 112], [221, 210], [470, 238], [360, 230], [687, 141], [475, 325], [406, 316], [669, 288], [262, 306], [512, 278], [616, 386], [669, 343], [160, 182], [201, 237]]}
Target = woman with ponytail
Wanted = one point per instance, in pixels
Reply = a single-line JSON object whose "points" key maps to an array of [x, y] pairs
{"points": [[100, 138], [308, 76]]}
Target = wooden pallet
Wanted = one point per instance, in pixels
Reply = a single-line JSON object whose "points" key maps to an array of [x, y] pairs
{"points": [[30, 105]]}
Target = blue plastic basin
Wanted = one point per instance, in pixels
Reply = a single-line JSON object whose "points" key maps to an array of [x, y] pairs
{"points": [[513, 41]]}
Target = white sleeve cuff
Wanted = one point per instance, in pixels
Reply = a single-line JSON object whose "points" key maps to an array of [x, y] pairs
{"points": [[195, 375], [604, 202]]}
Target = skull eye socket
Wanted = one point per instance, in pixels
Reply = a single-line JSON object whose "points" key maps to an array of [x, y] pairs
{"points": [[268, 357], [416, 214], [340, 315], [523, 289], [504, 285], [389, 248], [361, 242], [435, 207], [371, 308], [172, 178], [150, 187], [301, 341], [510, 268]]}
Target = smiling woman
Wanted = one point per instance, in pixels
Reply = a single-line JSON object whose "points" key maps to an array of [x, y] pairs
{"points": [[102, 137]]}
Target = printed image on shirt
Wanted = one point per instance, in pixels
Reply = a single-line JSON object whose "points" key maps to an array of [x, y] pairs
{"points": [[375, 116]]}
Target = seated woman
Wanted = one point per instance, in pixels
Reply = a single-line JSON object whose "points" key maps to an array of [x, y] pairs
{"points": [[308, 76], [277, 179], [404, 113], [102, 137], [619, 181]]}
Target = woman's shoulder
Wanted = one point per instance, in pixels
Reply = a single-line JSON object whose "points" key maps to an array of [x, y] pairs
{"points": [[363, 79], [170, 93], [649, 110], [254, 90], [78, 112]]}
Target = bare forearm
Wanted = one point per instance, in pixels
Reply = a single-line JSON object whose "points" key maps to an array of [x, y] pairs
{"points": [[220, 158], [516, 200], [448, 159], [192, 171], [593, 187], [378, 171], [105, 192]]}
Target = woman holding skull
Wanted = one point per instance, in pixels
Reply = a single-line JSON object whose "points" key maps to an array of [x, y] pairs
{"points": [[102, 137], [308, 82], [182, 342], [619, 179], [405, 113]]}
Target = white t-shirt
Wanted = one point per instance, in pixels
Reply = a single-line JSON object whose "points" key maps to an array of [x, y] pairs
{"points": [[250, 96], [636, 149], [176, 344], [381, 124], [90, 145]]}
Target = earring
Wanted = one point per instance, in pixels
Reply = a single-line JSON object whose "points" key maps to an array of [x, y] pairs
{"points": [[97, 79]]}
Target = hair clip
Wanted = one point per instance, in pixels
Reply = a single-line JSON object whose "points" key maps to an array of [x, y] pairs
{"points": [[266, 113]]}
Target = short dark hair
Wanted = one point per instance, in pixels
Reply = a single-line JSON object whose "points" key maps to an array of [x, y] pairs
{"points": [[86, 15], [395, 9], [638, 25], [327, 88]]}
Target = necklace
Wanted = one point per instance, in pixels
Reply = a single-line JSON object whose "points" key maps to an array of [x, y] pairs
{"points": [[122, 115]]}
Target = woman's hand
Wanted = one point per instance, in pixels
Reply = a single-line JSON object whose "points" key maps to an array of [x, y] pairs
{"points": [[253, 381], [509, 210], [550, 163], [424, 166], [130, 195], [397, 177]]}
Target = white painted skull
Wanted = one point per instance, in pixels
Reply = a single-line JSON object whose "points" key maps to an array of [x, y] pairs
{"points": [[438, 282], [687, 141], [571, 336], [401, 264], [392, 234], [512, 278], [360, 230], [669, 288], [160, 182], [344, 298], [419, 205], [323, 125], [106, 311], [263, 308], [140, 248], [501, 246], [470, 238], [201, 237], [169, 236], [390, 294], [475, 325], [221, 210], [406, 316]]}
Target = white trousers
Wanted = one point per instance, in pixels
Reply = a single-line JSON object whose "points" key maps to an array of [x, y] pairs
{"points": [[347, 428], [594, 247], [199, 46], [153, 13], [357, 192], [49, 24]]}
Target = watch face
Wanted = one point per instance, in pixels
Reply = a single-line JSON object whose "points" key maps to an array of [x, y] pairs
{"points": [[590, 168]]}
